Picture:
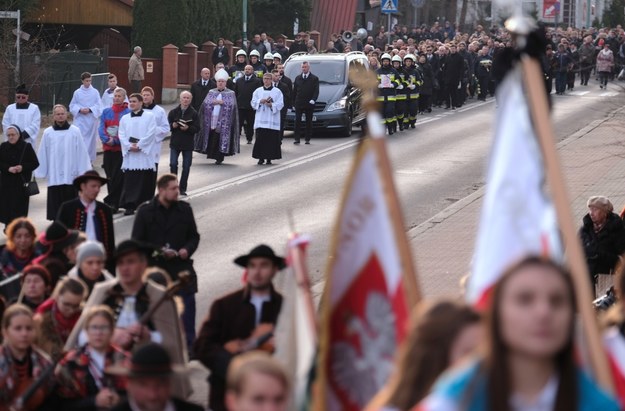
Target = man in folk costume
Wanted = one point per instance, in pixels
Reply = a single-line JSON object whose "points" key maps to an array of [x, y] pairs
{"points": [[90, 216], [267, 101], [86, 107], [130, 298], [219, 122], [23, 114], [240, 321], [112, 161], [62, 157], [137, 135]]}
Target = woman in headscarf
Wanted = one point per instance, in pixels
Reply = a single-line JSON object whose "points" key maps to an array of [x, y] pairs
{"points": [[17, 163], [219, 122]]}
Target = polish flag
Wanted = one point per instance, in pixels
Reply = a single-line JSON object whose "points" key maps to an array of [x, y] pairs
{"points": [[518, 218], [370, 285], [614, 344]]}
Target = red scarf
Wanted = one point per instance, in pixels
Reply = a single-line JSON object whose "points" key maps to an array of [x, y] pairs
{"points": [[64, 325]]}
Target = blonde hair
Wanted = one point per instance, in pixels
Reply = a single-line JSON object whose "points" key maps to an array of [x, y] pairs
{"points": [[254, 362]]}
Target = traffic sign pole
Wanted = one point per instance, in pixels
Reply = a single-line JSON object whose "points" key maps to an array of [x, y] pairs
{"points": [[15, 15]]}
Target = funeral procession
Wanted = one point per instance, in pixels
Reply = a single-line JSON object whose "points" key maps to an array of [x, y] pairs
{"points": [[312, 205]]}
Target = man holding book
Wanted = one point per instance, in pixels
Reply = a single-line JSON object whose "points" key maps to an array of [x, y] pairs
{"points": [[184, 123]]}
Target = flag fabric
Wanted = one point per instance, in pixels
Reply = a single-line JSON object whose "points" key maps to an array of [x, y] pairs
{"points": [[517, 218], [296, 335], [614, 344], [370, 286]]}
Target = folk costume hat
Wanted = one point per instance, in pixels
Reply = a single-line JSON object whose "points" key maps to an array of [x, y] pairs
{"points": [[150, 360], [262, 251], [89, 175], [57, 236], [132, 246]]}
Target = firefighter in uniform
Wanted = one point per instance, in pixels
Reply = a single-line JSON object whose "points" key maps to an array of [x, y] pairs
{"points": [[237, 69], [259, 68], [402, 94], [413, 80], [388, 81]]}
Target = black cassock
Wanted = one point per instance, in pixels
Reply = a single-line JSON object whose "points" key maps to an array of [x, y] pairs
{"points": [[13, 198]]}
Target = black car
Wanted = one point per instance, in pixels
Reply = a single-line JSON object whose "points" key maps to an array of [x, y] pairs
{"points": [[338, 106]]}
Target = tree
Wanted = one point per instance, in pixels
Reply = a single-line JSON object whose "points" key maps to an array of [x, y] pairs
{"points": [[212, 19], [614, 14], [276, 17], [158, 23]]}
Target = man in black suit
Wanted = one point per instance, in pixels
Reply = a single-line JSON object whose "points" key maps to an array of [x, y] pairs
{"points": [[240, 321], [286, 95], [87, 214], [149, 382], [200, 88], [244, 87], [305, 94]]}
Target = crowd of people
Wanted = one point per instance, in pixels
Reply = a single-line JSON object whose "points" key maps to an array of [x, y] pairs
{"points": [[90, 323]]}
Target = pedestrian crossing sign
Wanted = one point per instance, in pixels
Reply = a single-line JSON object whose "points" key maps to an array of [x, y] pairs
{"points": [[389, 6]]}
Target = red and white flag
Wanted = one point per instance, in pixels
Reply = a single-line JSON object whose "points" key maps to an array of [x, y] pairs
{"points": [[518, 218], [614, 343], [370, 285]]}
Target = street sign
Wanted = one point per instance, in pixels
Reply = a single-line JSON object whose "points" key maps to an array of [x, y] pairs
{"points": [[8, 14], [389, 6], [417, 3]]}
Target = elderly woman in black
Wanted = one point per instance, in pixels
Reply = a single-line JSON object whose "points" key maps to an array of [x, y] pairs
{"points": [[17, 162], [602, 235]]}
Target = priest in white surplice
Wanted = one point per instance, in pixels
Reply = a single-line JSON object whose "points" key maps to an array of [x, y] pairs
{"points": [[162, 124], [62, 157], [86, 107], [23, 114], [137, 136], [267, 101]]}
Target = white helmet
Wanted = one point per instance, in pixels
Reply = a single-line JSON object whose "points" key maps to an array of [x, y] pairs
{"points": [[411, 57], [241, 53], [396, 58], [277, 56], [385, 56], [255, 53], [268, 56]]}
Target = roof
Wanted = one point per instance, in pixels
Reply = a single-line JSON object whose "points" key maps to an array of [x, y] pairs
{"points": [[332, 16]]}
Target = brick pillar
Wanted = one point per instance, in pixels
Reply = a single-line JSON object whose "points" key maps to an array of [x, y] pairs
{"points": [[191, 50], [170, 74], [229, 46], [315, 35], [209, 47]]}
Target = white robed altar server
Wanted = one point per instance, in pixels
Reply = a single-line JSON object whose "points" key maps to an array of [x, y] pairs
{"points": [[62, 157], [86, 107], [162, 124], [267, 101], [137, 136], [23, 114]]}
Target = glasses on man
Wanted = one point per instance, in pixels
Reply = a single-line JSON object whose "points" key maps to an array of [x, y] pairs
{"points": [[21, 97]]}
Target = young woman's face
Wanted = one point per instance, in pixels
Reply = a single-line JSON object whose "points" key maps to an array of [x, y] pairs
{"points": [[535, 312], [69, 303], [20, 332], [99, 332]]}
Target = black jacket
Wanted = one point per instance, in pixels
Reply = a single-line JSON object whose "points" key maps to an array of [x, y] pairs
{"points": [[175, 228], [305, 90], [179, 405], [244, 90], [231, 317], [72, 213], [183, 140], [286, 95], [453, 69], [224, 58], [602, 249], [199, 92]]}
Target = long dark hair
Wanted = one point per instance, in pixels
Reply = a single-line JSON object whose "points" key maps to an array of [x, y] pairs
{"points": [[425, 353], [496, 367]]}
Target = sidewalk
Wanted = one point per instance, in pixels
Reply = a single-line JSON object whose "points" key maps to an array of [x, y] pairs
{"points": [[593, 161]]}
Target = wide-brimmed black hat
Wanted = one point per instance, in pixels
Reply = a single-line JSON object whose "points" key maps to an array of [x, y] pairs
{"points": [[89, 175], [263, 251], [149, 360], [132, 246], [58, 236]]}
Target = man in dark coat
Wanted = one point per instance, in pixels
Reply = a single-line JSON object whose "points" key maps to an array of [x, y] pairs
{"points": [[244, 87], [602, 235], [241, 321], [184, 123], [87, 214], [168, 225], [286, 96], [305, 94], [149, 382], [452, 77], [200, 88]]}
